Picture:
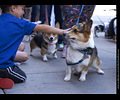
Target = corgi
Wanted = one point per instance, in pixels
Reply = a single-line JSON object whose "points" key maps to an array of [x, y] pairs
{"points": [[81, 52], [47, 42]]}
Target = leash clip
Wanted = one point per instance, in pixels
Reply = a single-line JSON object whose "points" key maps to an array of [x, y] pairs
{"points": [[85, 56]]}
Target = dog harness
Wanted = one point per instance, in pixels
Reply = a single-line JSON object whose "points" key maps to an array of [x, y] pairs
{"points": [[86, 52]]}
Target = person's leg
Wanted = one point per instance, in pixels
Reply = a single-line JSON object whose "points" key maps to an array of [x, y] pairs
{"points": [[21, 56], [58, 15], [58, 18], [34, 13], [21, 47], [42, 17], [14, 73], [49, 10]]}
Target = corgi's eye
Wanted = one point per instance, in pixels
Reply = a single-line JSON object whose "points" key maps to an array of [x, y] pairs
{"points": [[75, 31]]}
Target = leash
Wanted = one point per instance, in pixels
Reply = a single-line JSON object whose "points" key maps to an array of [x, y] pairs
{"points": [[85, 56], [81, 60], [101, 20], [80, 14], [46, 13]]}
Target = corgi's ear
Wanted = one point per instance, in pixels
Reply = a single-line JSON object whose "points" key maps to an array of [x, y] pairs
{"points": [[88, 25], [46, 23], [57, 25]]}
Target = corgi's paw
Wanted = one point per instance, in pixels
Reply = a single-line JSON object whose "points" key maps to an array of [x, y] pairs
{"points": [[45, 58], [55, 56], [82, 78], [100, 72], [67, 78]]}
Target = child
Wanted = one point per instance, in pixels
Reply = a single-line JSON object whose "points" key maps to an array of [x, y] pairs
{"points": [[12, 30]]}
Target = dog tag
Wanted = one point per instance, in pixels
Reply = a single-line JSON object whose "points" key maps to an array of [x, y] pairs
{"points": [[85, 56]]}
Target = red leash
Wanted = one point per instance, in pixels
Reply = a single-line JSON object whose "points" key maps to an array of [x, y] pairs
{"points": [[46, 13]]}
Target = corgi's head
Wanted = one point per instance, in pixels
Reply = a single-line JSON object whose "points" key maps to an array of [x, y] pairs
{"points": [[51, 38], [80, 35]]}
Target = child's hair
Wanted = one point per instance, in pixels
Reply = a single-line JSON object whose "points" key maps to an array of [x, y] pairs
{"points": [[5, 8]]}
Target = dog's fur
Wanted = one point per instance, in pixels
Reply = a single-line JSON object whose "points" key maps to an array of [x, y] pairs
{"points": [[98, 28], [81, 38], [47, 42]]}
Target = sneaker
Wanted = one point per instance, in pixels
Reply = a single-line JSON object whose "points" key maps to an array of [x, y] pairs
{"points": [[60, 47], [17, 63], [6, 83]]}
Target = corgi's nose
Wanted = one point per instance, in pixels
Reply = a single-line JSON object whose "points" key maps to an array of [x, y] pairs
{"points": [[51, 38], [68, 36]]}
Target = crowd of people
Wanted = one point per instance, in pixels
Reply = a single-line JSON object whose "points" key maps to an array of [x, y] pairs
{"points": [[66, 15], [12, 50]]}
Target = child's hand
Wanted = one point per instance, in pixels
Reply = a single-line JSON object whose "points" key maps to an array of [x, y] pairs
{"points": [[66, 31]]}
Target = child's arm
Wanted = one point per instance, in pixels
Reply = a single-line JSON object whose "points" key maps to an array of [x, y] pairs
{"points": [[49, 29]]}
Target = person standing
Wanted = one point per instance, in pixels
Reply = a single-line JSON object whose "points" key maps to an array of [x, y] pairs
{"points": [[71, 15]]}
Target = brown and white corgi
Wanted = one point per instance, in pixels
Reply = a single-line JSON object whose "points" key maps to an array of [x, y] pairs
{"points": [[47, 42], [81, 52]]}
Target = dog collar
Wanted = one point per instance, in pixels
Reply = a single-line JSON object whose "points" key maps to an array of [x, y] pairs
{"points": [[86, 52], [49, 43]]}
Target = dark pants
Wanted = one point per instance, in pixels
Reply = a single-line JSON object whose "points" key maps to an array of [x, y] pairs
{"points": [[34, 13], [42, 17], [14, 73], [58, 16]]}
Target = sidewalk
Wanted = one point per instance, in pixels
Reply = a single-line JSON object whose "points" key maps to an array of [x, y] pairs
{"points": [[47, 77]]}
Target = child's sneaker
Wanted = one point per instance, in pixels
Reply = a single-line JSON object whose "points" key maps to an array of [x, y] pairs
{"points": [[6, 83], [60, 47]]}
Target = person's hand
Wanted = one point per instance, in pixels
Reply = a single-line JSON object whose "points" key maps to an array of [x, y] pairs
{"points": [[66, 31]]}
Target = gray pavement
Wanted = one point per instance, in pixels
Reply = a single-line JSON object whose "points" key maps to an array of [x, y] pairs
{"points": [[47, 77]]}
